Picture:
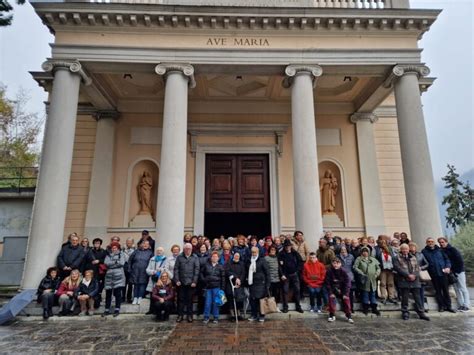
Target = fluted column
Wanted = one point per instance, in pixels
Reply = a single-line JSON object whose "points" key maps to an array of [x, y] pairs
{"points": [[308, 218], [49, 208], [172, 182], [100, 191], [423, 213], [369, 175]]}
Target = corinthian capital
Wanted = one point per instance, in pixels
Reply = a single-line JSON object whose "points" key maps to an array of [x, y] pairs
{"points": [[292, 70], [364, 117], [186, 69], [400, 70], [72, 65]]}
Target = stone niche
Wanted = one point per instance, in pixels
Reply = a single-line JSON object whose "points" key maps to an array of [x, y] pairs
{"points": [[139, 218], [335, 217]]}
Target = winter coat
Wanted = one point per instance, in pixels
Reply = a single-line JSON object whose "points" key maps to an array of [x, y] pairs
{"points": [[337, 282], [290, 263], [421, 260], [369, 267], [314, 274], [261, 279], [455, 257], [71, 256], [347, 264], [301, 248], [92, 255], [170, 261], [150, 240], [166, 291], [155, 268], [213, 276], [238, 271], [48, 283], [186, 269], [223, 257], [137, 264], [437, 259], [244, 252], [404, 267], [92, 290], [380, 256], [64, 288], [325, 256], [273, 267], [115, 274]]}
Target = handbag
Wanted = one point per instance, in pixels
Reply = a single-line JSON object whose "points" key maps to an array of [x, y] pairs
{"points": [[424, 276], [102, 269], [452, 279], [220, 298], [268, 305]]}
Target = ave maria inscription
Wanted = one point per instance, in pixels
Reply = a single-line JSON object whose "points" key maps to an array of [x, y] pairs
{"points": [[237, 42]]}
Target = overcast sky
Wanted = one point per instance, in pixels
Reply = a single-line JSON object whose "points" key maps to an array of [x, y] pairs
{"points": [[448, 51]]}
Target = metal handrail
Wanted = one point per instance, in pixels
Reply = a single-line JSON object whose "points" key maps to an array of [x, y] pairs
{"points": [[18, 179]]}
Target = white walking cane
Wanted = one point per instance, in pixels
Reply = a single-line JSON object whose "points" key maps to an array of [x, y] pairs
{"points": [[233, 297]]}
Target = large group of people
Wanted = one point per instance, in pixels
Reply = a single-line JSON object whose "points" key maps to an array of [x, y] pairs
{"points": [[248, 269]]}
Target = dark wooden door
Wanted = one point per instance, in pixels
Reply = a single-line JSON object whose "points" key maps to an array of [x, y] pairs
{"points": [[237, 183]]}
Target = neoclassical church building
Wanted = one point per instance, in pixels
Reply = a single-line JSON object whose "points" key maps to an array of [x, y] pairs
{"points": [[232, 116]]}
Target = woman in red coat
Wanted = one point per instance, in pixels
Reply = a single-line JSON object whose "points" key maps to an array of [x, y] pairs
{"points": [[314, 273]]}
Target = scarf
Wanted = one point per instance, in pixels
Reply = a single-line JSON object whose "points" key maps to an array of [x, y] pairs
{"points": [[252, 268], [87, 283], [159, 258]]}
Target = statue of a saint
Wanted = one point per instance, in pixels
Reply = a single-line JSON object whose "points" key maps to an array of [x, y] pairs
{"points": [[144, 188], [328, 188]]}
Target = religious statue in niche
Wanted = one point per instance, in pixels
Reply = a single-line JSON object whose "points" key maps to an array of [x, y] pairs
{"points": [[144, 188], [328, 188]]}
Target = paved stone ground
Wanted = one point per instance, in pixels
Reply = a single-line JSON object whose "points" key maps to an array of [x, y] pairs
{"points": [[141, 335]]}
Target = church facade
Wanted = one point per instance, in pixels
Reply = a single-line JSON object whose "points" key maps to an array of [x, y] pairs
{"points": [[224, 117]]}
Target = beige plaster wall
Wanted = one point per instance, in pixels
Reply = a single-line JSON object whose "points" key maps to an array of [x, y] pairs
{"points": [[391, 174], [84, 142]]}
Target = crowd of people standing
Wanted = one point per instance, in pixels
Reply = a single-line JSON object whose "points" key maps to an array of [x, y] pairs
{"points": [[248, 269]]}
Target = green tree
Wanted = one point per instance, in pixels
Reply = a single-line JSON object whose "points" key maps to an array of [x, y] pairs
{"points": [[5, 16], [464, 241], [457, 200], [19, 132]]}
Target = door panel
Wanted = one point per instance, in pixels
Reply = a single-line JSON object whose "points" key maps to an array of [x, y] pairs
{"points": [[237, 183]]}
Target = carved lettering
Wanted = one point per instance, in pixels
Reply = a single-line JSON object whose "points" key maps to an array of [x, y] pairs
{"points": [[237, 42]]}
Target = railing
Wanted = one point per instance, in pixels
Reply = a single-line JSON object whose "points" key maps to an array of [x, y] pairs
{"points": [[18, 179], [345, 4]]}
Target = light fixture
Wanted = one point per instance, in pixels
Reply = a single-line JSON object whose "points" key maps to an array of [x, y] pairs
{"points": [[127, 76], [347, 78], [238, 77]]}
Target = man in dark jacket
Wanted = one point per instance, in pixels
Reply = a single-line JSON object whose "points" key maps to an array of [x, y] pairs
{"points": [[146, 236], [70, 257], [457, 268], [290, 266], [186, 275], [213, 276], [439, 268], [338, 285], [408, 277]]}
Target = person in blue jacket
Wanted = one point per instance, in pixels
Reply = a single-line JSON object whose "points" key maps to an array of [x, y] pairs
{"points": [[439, 268]]}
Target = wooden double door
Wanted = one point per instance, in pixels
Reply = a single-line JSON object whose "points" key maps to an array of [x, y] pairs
{"points": [[237, 183]]}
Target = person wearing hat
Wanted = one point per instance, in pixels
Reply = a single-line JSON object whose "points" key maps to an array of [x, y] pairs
{"points": [[146, 236], [95, 261], [338, 285], [290, 265], [368, 269]]}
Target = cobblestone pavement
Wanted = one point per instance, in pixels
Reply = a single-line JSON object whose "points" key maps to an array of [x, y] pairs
{"points": [[141, 335]]}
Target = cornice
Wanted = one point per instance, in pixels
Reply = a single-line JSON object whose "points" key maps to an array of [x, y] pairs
{"points": [[94, 15]]}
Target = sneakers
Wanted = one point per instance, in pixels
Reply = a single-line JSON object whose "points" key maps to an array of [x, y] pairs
{"points": [[205, 320], [463, 309], [319, 311], [106, 313], [285, 310], [252, 319], [312, 310], [331, 318], [82, 314], [116, 313], [261, 319], [135, 300], [424, 317], [139, 300], [350, 320], [179, 319], [215, 321]]}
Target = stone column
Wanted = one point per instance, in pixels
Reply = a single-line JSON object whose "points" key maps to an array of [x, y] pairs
{"points": [[49, 208], [420, 192], [98, 206], [369, 175], [172, 182], [308, 218]]}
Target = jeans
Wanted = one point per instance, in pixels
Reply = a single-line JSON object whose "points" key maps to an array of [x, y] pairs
{"points": [[462, 294], [139, 290], [316, 292], [118, 298], [292, 281], [209, 304], [185, 295], [368, 297]]}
